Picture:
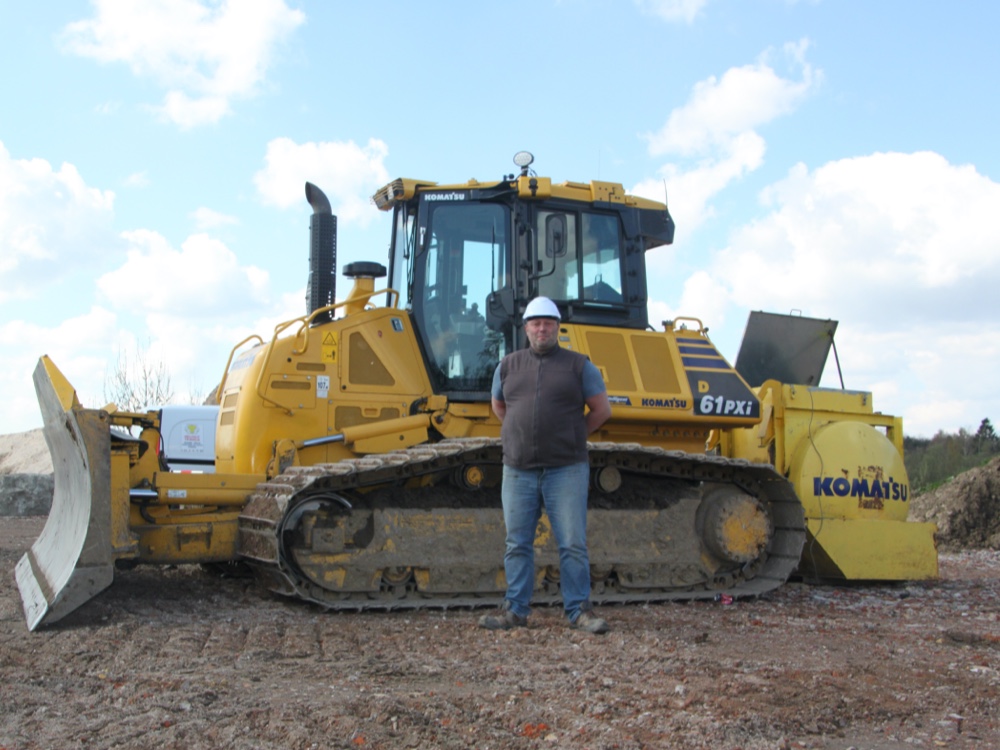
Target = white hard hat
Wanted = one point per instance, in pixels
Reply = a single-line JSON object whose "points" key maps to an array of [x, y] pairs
{"points": [[541, 307]]}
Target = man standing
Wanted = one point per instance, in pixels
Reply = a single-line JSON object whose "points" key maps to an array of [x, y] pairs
{"points": [[539, 394]]}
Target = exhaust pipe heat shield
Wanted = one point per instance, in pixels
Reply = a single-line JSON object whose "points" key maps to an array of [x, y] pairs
{"points": [[72, 560]]}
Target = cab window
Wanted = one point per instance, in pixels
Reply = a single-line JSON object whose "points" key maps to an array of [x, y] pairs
{"points": [[579, 256], [464, 259]]}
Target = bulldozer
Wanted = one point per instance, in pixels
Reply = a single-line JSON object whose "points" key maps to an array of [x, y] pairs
{"points": [[357, 461]]}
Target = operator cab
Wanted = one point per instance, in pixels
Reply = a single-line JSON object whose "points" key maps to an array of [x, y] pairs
{"points": [[468, 258]]}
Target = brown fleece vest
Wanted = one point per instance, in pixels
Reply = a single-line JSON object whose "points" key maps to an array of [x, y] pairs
{"points": [[544, 425]]}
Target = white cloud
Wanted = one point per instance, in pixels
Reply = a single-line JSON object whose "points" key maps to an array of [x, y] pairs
{"points": [[206, 218], [137, 180], [194, 347], [51, 224], [916, 371], [901, 249], [200, 280], [349, 175], [185, 308], [723, 109], [689, 192], [205, 54], [180, 108], [877, 235], [672, 10], [713, 135], [704, 297], [78, 346]]}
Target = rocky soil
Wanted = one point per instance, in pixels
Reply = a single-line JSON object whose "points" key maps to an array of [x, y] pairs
{"points": [[965, 509], [181, 658]]}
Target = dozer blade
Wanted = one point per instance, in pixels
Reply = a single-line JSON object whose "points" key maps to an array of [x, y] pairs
{"points": [[72, 560]]}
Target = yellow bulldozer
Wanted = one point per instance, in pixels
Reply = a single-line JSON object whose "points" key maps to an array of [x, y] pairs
{"points": [[357, 462]]}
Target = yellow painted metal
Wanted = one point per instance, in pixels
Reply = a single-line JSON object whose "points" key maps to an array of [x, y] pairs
{"points": [[199, 539], [745, 531], [846, 463], [528, 188], [537, 188], [389, 435], [869, 549], [345, 388], [402, 189], [848, 470], [120, 535], [213, 490], [324, 382], [473, 476], [467, 420], [222, 383], [653, 401]]}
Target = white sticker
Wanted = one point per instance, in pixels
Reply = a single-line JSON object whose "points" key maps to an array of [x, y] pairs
{"points": [[177, 494], [322, 386]]}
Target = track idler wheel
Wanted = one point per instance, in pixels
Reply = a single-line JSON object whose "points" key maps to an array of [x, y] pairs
{"points": [[469, 477], [735, 526], [607, 479]]}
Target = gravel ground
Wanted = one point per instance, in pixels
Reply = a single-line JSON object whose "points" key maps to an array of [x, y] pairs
{"points": [[179, 658]]}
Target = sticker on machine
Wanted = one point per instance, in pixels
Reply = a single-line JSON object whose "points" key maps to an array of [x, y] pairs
{"points": [[722, 394], [322, 386]]}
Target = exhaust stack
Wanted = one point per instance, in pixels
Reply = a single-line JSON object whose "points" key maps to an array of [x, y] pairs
{"points": [[321, 288]]}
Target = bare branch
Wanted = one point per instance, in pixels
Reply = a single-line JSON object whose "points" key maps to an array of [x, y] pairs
{"points": [[138, 383]]}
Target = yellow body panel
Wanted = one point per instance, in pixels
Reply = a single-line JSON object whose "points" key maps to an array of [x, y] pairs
{"points": [[528, 188], [653, 391], [864, 550], [320, 382], [846, 463]]}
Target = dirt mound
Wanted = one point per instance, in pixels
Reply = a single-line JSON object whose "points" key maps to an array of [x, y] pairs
{"points": [[26, 479], [966, 509], [25, 453]]}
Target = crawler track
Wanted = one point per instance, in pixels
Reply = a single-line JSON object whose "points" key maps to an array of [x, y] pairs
{"points": [[423, 528]]}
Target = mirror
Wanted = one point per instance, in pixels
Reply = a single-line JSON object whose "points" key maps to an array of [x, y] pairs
{"points": [[555, 236], [499, 309]]}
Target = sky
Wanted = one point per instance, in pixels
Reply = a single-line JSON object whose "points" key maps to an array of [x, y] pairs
{"points": [[830, 159]]}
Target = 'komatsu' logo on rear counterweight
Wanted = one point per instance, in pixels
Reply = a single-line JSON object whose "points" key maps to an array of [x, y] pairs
{"points": [[843, 487]]}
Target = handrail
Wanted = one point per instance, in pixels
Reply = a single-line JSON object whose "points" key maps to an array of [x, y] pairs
{"points": [[305, 322], [225, 372], [701, 326], [267, 358]]}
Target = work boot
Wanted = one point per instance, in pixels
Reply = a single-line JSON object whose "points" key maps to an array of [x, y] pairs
{"points": [[504, 620], [590, 623]]}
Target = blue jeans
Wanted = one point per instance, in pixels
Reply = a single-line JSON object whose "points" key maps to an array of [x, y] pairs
{"points": [[563, 490]]}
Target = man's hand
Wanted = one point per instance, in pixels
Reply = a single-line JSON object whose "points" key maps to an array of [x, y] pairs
{"points": [[499, 408], [600, 411]]}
